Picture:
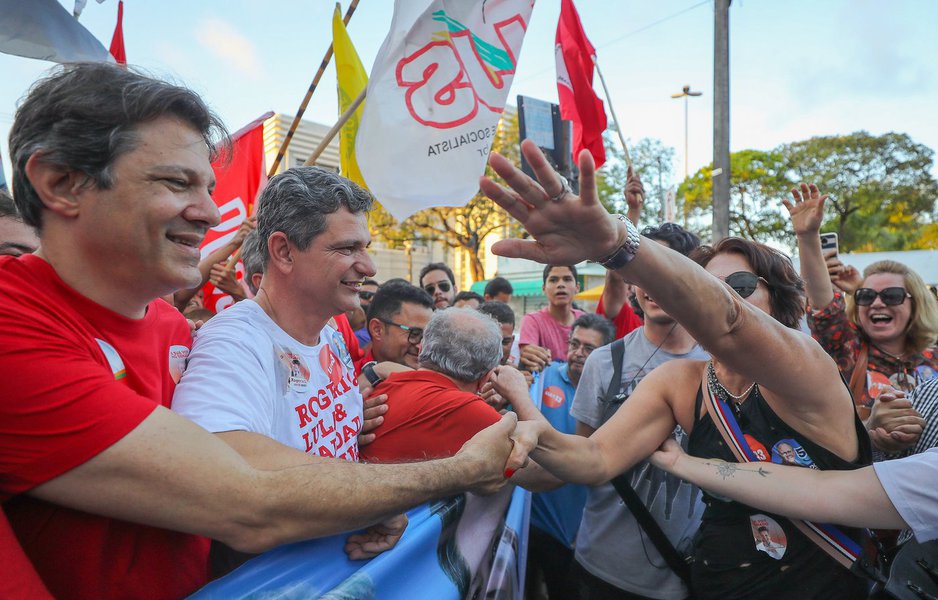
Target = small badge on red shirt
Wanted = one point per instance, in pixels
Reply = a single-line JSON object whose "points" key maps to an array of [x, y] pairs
{"points": [[114, 359]]}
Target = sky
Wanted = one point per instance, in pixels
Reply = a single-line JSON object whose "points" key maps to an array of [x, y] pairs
{"points": [[798, 68]]}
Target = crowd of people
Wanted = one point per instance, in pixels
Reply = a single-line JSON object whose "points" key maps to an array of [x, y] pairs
{"points": [[148, 444]]}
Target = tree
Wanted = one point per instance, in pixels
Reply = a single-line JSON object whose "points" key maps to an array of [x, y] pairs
{"points": [[757, 185], [882, 190], [651, 159], [463, 227]]}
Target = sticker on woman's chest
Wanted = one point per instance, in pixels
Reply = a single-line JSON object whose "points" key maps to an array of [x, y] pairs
{"points": [[788, 451], [768, 535]]}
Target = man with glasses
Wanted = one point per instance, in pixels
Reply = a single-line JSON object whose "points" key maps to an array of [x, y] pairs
{"points": [[436, 407], [614, 557], [365, 294], [397, 317], [438, 280], [555, 515]]}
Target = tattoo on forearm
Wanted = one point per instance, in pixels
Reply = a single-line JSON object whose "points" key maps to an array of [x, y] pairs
{"points": [[727, 470]]}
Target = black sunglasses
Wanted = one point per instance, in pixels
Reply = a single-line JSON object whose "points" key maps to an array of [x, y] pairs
{"points": [[891, 296], [443, 285], [414, 334], [744, 282], [366, 295]]}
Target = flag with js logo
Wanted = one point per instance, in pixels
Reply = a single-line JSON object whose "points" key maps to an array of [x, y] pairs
{"points": [[436, 93]]}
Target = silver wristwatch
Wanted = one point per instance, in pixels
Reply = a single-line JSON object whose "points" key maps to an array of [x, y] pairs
{"points": [[626, 252]]}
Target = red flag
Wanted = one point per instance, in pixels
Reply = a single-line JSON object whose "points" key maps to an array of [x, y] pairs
{"points": [[238, 182], [578, 101], [117, 42]]}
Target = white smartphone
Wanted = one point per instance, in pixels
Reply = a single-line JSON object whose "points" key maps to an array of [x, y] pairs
{"points": [[829, 242]]}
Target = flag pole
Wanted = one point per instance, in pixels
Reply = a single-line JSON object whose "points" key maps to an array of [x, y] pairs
{"points": [[612, 111], [309, 94], [233, 260], [343, 118]]}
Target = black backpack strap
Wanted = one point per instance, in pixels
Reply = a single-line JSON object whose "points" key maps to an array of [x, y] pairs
{"points": [[628, 495], [618, 355], [668, 552]]}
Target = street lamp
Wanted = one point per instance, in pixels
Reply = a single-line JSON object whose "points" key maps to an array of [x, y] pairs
{"points": [[686, 93]]}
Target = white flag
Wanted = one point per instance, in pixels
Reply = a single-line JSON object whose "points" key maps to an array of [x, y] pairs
{"points": [[436, 93], [44, 29]]}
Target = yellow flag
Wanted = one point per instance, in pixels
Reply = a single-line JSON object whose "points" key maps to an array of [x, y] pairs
{"points": [[352, 79]]}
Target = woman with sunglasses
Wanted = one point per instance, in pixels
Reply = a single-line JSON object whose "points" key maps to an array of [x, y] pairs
{"points": [[881, 337], [780, 383]]}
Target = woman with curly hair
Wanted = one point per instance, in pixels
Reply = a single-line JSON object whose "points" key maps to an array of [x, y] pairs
{"points": [[880, 328], [776, 384]]}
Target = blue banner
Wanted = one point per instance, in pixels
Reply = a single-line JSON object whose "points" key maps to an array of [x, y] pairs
{"points": [[452, 549]]}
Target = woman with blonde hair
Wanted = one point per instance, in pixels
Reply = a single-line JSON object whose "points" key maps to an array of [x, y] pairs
{"points": [[880, 328]]}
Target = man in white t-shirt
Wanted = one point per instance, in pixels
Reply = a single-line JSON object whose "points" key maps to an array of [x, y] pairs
{"points": [[269, 376]]}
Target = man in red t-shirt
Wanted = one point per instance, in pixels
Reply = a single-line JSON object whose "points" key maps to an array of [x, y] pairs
{"points": [[97, 476], [436, 408]]}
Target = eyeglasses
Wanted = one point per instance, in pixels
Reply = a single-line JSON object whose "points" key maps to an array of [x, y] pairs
{"points": [[891, 296], [443, 285], [744, 282], [575, 345], [414, 334], [366, 295]]}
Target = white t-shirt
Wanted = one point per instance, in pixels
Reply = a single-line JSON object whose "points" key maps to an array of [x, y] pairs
{"points": [[910, 484], [245, 373]]}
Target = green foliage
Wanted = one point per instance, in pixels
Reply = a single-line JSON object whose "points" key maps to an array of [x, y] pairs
{"points": [[882, 192], [756, 186]]}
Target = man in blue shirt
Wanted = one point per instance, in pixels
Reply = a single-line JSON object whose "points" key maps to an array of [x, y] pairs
{"points": [[555, 516]]}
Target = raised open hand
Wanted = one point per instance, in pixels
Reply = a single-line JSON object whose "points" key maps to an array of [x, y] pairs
{"points": [[566, 228], [806, 209]]}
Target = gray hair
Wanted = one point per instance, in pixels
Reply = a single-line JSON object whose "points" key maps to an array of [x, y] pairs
{"points": [[84, 116], [461, 343], [297, 202], [251, 258]]}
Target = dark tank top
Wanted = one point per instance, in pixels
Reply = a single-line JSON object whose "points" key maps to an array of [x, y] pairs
{"points": [[745, 552]]}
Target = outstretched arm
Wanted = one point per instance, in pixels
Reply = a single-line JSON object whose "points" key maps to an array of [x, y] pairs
{"points": [[170, 473], [633, 432], [854, 498], [574, 228]]}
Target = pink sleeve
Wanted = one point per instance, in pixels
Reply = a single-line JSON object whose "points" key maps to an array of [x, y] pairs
{"points": [[530, 332]]}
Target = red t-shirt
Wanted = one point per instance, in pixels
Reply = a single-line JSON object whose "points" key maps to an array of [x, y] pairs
{"points": [[78, 377], [626, 320], [19, 580], [428, 417]]}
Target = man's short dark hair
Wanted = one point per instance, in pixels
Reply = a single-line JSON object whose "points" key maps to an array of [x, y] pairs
{"points": [[84, 116], [500, 311], [549, 267], [298, 201], [437, 266], [597, 323], [392, 294], [468, 295], [371, 282], [676, 237], [498, 285]]}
